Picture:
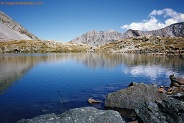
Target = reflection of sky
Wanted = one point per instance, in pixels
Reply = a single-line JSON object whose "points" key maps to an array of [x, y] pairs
{"points": [[152, 72]]}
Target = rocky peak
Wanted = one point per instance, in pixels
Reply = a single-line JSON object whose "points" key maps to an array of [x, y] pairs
{"points": [[97, 38], [9, 29], [132, 33]]}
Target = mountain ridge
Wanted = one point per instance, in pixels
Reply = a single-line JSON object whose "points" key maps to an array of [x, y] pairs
{"points": [[100, 38], [173, 30]]}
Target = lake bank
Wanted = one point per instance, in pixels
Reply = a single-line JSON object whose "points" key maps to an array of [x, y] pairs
{"points": [[154, 45]]}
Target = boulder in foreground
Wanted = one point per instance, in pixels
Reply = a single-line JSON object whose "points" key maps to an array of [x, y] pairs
{"points": [[132, 96], [78, 115]]}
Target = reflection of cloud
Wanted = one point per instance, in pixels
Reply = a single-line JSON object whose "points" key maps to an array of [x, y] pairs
{"points": [[150, 71]]}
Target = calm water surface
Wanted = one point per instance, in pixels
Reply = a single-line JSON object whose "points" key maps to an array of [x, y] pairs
{"points": [[29, 82]]}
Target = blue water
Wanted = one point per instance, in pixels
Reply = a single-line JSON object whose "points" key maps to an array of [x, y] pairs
{"points": [[29, 82]]}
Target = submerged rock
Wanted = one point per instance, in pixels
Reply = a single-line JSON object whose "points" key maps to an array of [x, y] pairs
{"points": [[78, 115], [134, 95], [171, 111], [92, 101]]}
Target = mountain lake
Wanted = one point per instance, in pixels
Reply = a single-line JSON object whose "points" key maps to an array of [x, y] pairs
{"points": [[29, 82]]}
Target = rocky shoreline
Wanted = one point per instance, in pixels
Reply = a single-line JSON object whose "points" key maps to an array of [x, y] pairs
{"points": [[140, 103], [148, 104]]}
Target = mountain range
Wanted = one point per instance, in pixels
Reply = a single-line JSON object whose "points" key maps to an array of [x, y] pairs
{"points": [[99, 38], [113, 41], [11, 30]]}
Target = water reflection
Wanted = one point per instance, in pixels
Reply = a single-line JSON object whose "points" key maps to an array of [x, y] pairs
{"points": [[95, 60], [136, 64], [14, 66]]}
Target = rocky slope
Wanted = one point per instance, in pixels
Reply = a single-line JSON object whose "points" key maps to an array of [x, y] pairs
{"points": [[95, 38], [163, 45], [9, 29]]}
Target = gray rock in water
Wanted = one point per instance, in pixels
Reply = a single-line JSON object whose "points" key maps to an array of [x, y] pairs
{"points": [[171, 111], [78, 115], [132, 96]]}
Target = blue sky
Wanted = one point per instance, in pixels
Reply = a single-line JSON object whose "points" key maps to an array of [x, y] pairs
{"points": [[63, 20]]}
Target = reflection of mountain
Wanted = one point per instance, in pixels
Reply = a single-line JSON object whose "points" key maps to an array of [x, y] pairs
{"points": [[15, 66], [12, 68], [110, 60], [135, 65], [95, 60]]}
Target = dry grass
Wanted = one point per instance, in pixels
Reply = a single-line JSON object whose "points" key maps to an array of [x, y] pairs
{"points": [[40, 46]]}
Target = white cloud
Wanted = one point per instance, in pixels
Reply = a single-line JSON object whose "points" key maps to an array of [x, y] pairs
{"points": [[156, 12], [153, 23], [165, 12]]}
